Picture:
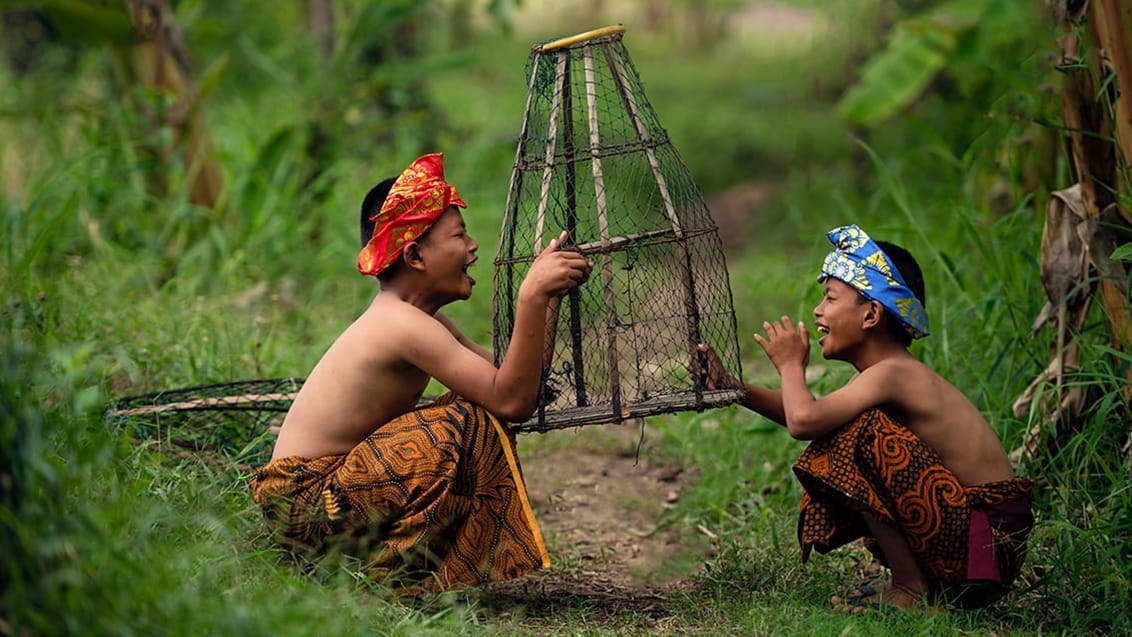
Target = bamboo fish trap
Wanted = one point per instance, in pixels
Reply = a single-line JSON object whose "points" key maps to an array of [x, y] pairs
{"points": [[593, 160]]}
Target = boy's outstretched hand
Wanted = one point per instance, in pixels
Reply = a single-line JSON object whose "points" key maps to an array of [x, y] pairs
{"points": [[784, 343], [556, 271], [712, 371]]}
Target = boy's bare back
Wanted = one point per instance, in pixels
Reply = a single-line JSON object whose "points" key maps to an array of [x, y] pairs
{"points": [[363, 380], [939, 414]]}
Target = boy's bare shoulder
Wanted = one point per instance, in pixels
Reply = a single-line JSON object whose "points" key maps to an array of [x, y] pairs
{"points": [[395, 317], [905, 383], [901, 370], [923, 395], [390, 324]]}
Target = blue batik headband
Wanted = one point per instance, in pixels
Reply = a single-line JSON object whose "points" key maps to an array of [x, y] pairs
{"points": [[860, 263]]}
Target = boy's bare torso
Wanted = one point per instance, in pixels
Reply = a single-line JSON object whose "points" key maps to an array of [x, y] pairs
{"points": [[362, 381], [944, 419]]}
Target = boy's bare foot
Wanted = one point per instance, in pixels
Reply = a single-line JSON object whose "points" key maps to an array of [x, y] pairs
{"points": [[865, 598]]}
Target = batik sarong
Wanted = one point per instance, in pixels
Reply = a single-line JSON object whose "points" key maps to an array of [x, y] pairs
{"points": [[433, 499], [969, 541]]}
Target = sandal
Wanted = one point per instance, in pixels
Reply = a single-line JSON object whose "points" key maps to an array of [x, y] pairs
{"points": [[918, 602], [865, 589]]}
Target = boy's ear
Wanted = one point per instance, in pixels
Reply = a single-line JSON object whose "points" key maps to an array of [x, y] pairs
{"points": [[411, 255], [873, 313]]}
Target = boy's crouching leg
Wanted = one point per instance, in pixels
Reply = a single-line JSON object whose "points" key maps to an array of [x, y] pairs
{"points": [[441, 493], [874, 470]]}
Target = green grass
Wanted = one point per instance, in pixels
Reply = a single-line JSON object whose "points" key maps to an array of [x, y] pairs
{"points": [[108, 290]]}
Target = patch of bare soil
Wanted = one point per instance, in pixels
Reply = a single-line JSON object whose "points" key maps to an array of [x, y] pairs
{"points": [[599, 497]]}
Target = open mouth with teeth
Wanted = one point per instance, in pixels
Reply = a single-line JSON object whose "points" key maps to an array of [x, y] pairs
{"points": [[823, 330]]}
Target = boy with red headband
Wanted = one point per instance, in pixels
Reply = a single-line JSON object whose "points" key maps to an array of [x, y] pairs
{"points": [[433, 495], [899, 456]]}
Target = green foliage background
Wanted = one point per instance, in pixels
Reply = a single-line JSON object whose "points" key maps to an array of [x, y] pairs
{"points": [[915, 120]]}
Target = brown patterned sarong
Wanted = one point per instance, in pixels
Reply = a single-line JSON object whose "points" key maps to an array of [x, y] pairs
{"points": [[434, 498], [969, 541]]}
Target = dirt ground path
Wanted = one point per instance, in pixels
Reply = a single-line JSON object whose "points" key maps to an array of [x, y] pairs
{"points": [[599, 496]]}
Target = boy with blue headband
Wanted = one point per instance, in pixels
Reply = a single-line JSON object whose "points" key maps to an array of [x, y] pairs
{"points": [[898, 456]]}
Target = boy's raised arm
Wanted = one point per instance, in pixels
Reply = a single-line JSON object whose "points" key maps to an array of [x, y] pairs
{"points": [[464, 340], [511, 390], [553, 273], [807, 417]]}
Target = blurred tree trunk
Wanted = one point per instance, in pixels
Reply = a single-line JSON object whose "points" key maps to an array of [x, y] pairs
{"points": [[320, 15], [656, 14], [160, 61], [703, 22], [460, 23], [1085, 223], [1112, 21]]}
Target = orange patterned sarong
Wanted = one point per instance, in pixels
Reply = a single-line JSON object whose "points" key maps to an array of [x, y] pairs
{"points": [[434, 498], [969, 541]]}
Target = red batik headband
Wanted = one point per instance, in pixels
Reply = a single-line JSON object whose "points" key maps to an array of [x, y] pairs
{"points": [[416, 200]]}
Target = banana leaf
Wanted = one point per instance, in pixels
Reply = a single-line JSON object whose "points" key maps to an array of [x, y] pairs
{"points": [[918, 50]]}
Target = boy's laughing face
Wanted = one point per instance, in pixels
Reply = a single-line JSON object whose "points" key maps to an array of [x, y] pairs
{"points": [[839, 320], [450, 251]]}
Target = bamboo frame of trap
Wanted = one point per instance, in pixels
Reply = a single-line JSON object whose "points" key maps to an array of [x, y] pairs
{"points": [[644, 213]]}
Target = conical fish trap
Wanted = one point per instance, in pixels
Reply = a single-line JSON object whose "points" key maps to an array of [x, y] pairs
{"points": [[594, 160]]}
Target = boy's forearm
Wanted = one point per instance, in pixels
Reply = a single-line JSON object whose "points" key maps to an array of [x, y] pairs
{"points": [[550, 330], [520, 371], [796, 399], [765, 402]]}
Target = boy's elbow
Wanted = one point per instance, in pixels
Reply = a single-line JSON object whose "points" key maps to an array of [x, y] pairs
{"points": [[516, 411], [796, 431], [802, 426], [800, 433]]}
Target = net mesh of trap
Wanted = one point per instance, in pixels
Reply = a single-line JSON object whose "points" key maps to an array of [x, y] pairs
{"points": [[593, 160], [230, 422]]}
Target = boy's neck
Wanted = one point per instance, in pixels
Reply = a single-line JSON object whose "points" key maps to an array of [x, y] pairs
{"points": [[877, 350], [418, 298]]}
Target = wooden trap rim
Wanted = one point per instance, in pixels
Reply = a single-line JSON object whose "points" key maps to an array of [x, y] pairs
{"points": [[573, 40], [602, 415]]}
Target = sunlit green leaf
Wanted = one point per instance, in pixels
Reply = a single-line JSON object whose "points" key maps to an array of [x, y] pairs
{"points": [[1122, 253], [211, 77]]}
